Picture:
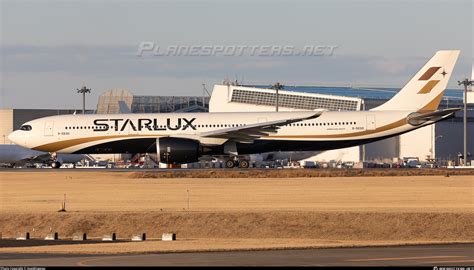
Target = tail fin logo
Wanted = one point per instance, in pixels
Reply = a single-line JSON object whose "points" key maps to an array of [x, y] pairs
{"points": [[429, 73], [432, 83], [428, 87]]}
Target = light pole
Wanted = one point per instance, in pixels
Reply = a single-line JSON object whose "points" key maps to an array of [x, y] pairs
{"points": [[83, 91], [466, 82], [363, 146], [277, 86], [433, 142], [204, 91]]}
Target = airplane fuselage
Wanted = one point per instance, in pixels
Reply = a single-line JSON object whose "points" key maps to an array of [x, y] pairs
{"points": [[127, 133]]}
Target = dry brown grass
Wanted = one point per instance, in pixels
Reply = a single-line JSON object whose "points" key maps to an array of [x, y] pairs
{"points": [[261, 225], [298, 173], [111, 191], [297, 211]]}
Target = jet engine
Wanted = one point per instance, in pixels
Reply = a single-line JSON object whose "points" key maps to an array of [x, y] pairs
{"points": [[177, 150]]}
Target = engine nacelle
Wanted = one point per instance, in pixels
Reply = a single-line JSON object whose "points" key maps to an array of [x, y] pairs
{"points": [[177, 150]]}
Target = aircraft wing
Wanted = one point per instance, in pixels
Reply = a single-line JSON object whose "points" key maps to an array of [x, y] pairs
{"points": [[37, 158], [248, 133]]}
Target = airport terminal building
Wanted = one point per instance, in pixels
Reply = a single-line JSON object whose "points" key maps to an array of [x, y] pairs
{"points": [[109, 103]]}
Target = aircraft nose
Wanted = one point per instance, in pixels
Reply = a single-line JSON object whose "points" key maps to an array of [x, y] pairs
{"points": [[14, 137]]}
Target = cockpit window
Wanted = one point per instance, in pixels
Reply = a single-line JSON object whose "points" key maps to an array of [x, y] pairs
{"points": [[26, 128]]}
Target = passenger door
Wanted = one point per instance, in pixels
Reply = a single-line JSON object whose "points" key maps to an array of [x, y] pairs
{"points": [[48, 128], [371, 124]]}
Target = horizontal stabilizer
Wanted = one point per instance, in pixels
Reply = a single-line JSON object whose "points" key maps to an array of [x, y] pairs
{"points": [[416, 119]]}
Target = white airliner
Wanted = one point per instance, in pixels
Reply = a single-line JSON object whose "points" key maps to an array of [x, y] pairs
{"points": [[185, 137]]}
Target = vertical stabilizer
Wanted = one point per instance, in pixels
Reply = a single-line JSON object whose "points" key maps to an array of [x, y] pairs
{"points": [[426, 89]]}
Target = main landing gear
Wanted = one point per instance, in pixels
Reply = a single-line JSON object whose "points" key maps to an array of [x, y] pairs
{"points": [[241, 163], [230, 148]]}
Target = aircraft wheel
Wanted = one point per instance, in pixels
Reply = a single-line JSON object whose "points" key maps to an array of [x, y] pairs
{"points": [[229, 163], [244, 163], [55, 165]]}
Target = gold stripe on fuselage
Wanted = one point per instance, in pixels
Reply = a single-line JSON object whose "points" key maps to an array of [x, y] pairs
{"points": [[393, 125], [55, 146]]}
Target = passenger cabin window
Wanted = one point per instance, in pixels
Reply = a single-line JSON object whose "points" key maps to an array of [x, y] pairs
{"points": [[26, 128]]}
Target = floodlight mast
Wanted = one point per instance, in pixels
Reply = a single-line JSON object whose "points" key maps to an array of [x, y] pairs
{"points": [[83, 91], [466, 82], [277, 86]]}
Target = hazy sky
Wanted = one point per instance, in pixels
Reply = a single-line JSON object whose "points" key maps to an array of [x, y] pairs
{"points": [[50, 48]]}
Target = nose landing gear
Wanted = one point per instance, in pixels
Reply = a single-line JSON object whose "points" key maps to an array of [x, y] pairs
{"points": [[55, 164]]}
